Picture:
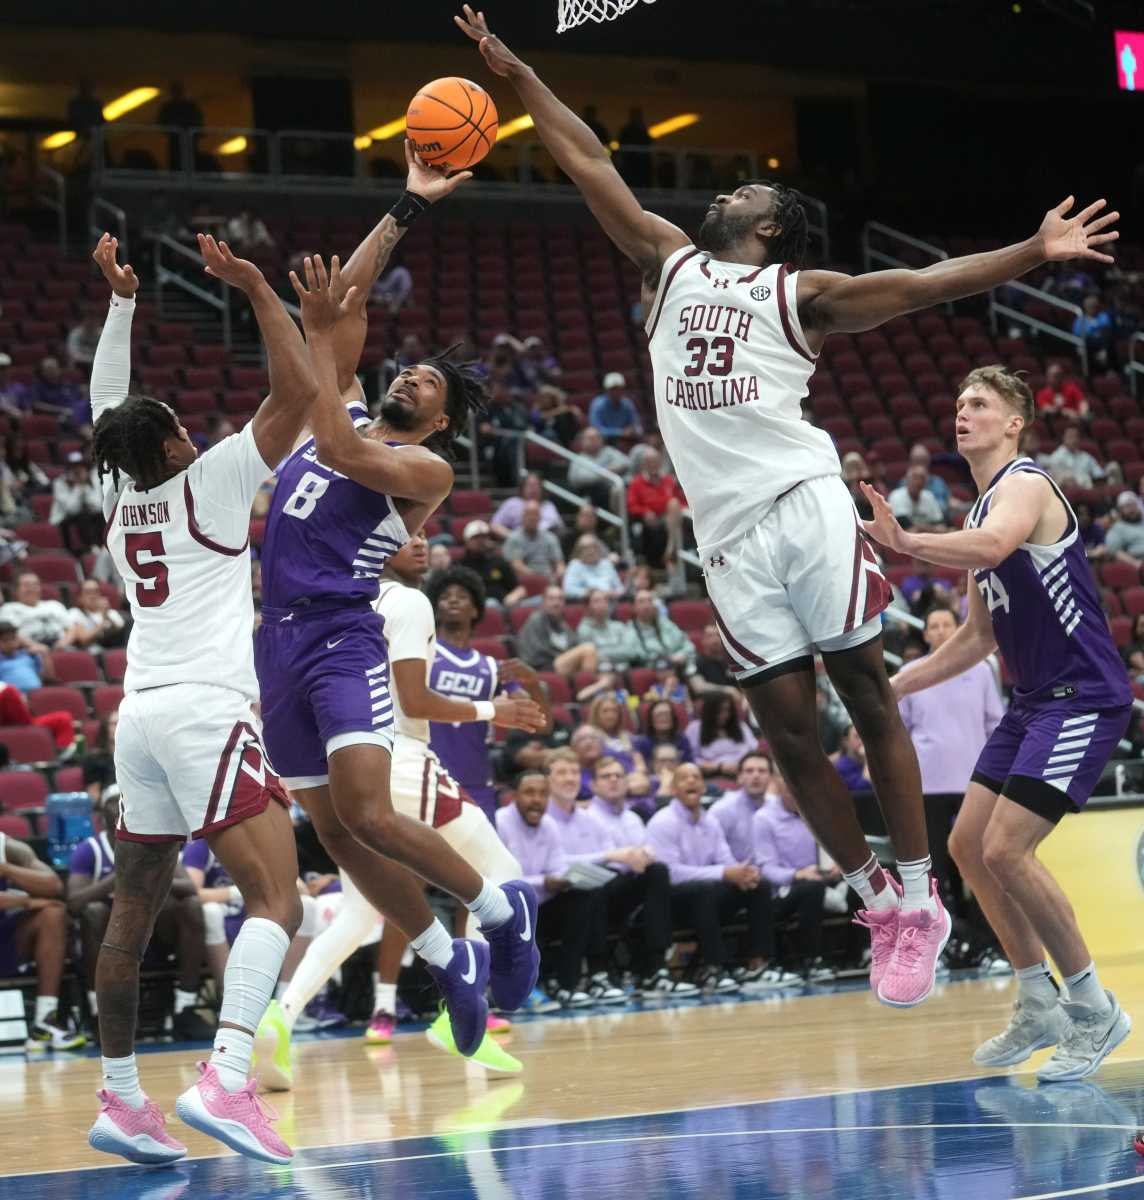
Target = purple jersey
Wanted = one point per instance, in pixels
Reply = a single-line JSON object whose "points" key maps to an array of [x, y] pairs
{"points": [[93, 857], [198, 855], [1047, 616], [464, 748], [327, 537]]}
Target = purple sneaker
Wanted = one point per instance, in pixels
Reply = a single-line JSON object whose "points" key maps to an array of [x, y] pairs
{"points": [[515, 960], [463, 983]]}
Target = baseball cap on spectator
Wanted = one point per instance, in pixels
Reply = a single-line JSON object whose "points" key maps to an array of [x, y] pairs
{"points": [[1128, 500], [75, 457], [613, 379], [662, 664], [5, 361], [475, 529]]}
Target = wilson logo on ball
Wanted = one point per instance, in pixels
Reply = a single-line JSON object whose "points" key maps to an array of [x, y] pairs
{"points": [[426, 147]]}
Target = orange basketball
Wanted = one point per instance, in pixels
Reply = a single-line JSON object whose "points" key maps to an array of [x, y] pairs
{"points": [[452, 122]]}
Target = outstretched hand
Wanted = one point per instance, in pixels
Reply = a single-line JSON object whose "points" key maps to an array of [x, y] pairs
{"points": [[323, 299], [500, 59], [1064, 237], [431, 183], [122, 278], [884, 528], [222, 264]]}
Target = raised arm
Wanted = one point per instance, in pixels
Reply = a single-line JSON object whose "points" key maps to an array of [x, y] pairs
{"points": [[832, 303], [424, 186], [282, 414], [643, 237], [111, 368], [1019, 503], [972, 642], [409, 472]]}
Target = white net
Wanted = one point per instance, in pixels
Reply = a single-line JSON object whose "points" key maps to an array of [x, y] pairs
{"points": [[576, 12]]}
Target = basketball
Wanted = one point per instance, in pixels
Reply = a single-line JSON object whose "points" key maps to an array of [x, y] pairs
{"points": [[452, 123]]}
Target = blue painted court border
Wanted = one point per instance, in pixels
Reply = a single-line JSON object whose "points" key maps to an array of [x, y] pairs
{"points": [[998, 1138]]}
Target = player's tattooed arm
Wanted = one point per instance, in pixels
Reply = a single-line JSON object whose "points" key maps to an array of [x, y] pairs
{"points": [[648, 240], [829, 302]]}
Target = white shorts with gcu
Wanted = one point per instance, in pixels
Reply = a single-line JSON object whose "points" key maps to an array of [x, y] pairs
{"points": [[803, 579]]}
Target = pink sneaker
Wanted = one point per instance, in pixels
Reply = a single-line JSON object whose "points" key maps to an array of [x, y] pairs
{"points": [[497, 1025], [883, 927], [379, 1032], [237, 1119], [138, 1134], [922, 936]]}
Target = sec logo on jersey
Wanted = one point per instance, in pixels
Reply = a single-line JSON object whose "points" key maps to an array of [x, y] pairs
{"points": [[761, 292]]}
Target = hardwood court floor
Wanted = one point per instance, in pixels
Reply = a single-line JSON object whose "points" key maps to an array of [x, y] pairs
{"points": [[700, 1062]]}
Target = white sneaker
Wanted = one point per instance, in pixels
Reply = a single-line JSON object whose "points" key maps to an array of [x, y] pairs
{"points": [[720, 982], [835, 899], [1088, 1039], [664, 984], [574, 999], [604, 991], [772, 978], [1031, 1027]]}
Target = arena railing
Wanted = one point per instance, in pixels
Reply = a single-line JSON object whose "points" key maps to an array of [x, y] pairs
{"points": [[168, 254], [872, 256], [52, 194], [1135, 365], [998, 308], [619, 520], [118, 225]]}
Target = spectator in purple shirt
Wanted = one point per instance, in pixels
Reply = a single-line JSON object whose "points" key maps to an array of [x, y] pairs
{"points": [[787, 857], [736, 810], [718, 738], [662, 728], [566, 916], [710, 887], [50, 393], [851, 761]]}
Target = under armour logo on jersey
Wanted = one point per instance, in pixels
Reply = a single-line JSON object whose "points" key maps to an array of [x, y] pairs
{"points": [[720, 283], [717, 560], [761, 292]]}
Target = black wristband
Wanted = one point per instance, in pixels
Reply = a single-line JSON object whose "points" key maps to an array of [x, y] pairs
{"points": [[408, 209]]}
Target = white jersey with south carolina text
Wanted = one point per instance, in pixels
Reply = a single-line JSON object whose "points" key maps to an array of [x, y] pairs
{"points": [[181, 548], [731, 365], [409, 631]]}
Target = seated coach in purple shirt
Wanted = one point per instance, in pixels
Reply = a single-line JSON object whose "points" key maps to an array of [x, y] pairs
{"points": [[735, 811], [711, 887], [566, 915], [786, 854], [608, 832]]}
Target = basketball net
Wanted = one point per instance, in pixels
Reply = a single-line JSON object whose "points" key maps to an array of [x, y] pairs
{"points": [[576, 12]]}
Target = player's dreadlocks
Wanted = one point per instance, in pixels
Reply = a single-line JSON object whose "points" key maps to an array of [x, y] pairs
{"points": [[128, 440], [786, 210], [465, 393], [462, 577]]}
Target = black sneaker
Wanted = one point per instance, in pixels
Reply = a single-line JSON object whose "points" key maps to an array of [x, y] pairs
{"points": [[52, 1034], [664, 984], [604, 991], [191, 1026]]}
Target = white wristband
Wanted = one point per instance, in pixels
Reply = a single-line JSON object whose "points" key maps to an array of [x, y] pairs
{"points": [[486, 710], [235, 895]]}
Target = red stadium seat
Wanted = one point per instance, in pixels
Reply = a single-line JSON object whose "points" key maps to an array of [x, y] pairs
{"points": [[114, 665], [58, 699], [28, 743], [15, 826], [1133, 600], [1121, 630], [533, 585], [41, 534], [493, 647], [70, 779], [106, 700], [468, 503], [558, 690], [690, 614], [492, 624], [22, 789], [75, 666], [1119, 575], [640, 679], [53, 568]]}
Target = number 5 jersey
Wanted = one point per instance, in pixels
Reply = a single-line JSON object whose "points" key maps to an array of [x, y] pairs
{"points": [[1047, 616]]}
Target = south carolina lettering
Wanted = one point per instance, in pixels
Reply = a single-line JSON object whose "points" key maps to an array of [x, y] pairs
{"points": [[702, 395]]}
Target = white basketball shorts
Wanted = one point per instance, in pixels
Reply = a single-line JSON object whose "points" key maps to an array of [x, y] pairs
{"points": [[189, 761], [803, 579]]}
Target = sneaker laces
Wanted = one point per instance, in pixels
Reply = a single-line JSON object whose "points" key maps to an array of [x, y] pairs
{"points": [[261, 1107], [1079, 1038], [908, 950], [881, 932]]}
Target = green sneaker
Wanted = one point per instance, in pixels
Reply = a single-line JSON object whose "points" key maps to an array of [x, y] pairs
{"points": [[489, 1054], [271, 1061]]}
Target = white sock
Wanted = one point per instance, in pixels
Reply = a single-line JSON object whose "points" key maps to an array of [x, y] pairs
{"points": [[45, 1006], [915, 877], [353, 923], [871, 884], [435, 945], [93, 1003], [233, 1051], [1085, 988], [385, 997], [1037, 983], [251, 973], [491, 907], [184, 1000], [121, 1077]]}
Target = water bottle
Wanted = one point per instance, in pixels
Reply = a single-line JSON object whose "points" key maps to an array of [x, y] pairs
{"points": [[69, 822]]}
